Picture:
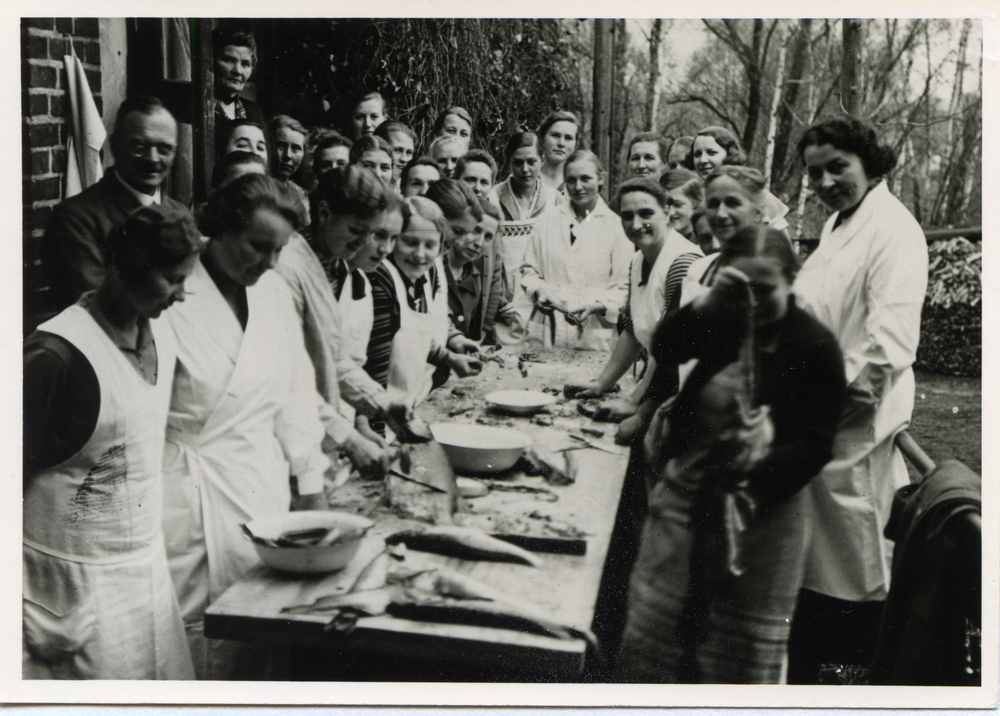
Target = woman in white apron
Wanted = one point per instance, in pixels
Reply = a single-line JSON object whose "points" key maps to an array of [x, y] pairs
{"points": [[643, 206], [523, 198], [351, 208], [98, 602], [578, 258], [866, 282], [410, 330], [244, 415]]}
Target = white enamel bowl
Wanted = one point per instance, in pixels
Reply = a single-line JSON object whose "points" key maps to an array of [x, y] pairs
{"points": [[480, 448], [520, 402], [308, 559]]}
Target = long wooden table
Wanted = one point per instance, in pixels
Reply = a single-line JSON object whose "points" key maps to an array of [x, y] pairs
{"points": [[567, 585]]}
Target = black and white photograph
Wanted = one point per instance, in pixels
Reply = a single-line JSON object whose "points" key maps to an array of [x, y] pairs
{"points": [[503, 360]]}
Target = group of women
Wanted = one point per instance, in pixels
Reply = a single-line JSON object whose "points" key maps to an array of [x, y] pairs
{"points": [[762, 429]]}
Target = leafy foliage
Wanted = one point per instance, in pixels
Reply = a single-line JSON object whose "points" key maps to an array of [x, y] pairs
{"points": [[508, 73]]}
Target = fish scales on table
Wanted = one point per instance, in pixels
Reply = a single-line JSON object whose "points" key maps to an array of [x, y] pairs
{"points": [[426, 463], [464, 543]]}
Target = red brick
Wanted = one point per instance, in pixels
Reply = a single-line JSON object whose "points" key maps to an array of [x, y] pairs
{"points": [[45, 189], [40, 161], [43, 135], [40, 217], [58, 162], [93, 53], [39, 105], [94, 80], [42, 23], [43, 76], [58, 47], [88, 27], [38, 47], [64, 24]]}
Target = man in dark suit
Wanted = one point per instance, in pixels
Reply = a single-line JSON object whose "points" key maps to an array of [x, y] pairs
{"points": [[74, 248]]}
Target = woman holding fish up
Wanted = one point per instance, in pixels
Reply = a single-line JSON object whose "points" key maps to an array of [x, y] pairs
{"points": [[98, 602], [722, 550], [577, 264], [244, 419]]}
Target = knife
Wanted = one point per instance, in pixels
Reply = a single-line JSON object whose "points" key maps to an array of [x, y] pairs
{"points": [[396, 473]]}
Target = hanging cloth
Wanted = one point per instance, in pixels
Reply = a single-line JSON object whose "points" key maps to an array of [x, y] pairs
{"points": [[83, 148]]}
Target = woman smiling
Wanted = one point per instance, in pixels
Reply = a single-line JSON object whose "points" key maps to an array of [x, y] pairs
{"points": [[577, 260]]}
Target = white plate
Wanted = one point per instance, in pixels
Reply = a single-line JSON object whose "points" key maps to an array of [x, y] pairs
{"points": [[520, 402]]}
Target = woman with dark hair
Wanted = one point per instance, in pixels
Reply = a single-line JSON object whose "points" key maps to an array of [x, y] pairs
{"points": [[403, 141], [374, 153], [454, 122], [522, 198], [332, 298], [365, 115], [234, 165], [418, 175], [244, 135], [332, 151], [244, 421], [478, 170], [578, 259], [559, 136], [234, 53], [647, 155], [98, 602], [715, 147], [721, 557], [866, 282]]}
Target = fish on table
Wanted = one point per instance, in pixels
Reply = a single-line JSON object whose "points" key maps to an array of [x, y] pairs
{"points": [[464, 543]]}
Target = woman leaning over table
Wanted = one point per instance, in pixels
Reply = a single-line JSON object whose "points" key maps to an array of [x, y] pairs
{"points": [[244, 416], [578, 258], [866, 282], [98, 602]]}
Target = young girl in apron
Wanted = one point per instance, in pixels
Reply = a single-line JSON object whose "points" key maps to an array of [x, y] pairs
{"points": [[98, 602], [410, 300]]}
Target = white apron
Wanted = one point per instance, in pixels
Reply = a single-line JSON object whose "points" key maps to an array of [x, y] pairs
{"points": [[648, 302], [410, 375], [98, 602], [239, 407], [357, 318], [866, 283], [594, 267]]}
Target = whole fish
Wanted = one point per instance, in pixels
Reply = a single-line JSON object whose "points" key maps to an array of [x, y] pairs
{"points": [[463, 542]]}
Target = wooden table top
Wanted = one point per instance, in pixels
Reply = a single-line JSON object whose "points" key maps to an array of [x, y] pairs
{"points": [[566, 586]]}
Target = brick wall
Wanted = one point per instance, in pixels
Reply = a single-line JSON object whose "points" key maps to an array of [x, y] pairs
{"points": [[46, 109]]}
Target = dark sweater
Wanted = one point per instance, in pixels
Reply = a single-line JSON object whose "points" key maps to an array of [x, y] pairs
{"points": [[802, 381]]}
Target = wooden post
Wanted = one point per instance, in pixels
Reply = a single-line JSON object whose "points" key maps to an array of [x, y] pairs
{"points": [[851, 78], [604, 51], [203, 77], [653, 97]]}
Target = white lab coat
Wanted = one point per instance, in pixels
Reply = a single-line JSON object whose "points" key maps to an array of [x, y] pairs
{"points": [[647, 301], [98, 601], [866, 283], [595, 267], [244, 416]]}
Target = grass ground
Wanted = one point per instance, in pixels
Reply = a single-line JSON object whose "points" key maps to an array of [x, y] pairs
{"points": [[948, 418]]}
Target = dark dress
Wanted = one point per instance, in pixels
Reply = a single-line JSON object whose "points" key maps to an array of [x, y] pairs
{"points": [[696, 613]]}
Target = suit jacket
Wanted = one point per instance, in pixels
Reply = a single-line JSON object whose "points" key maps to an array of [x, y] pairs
{"points": [[74, 248]]}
